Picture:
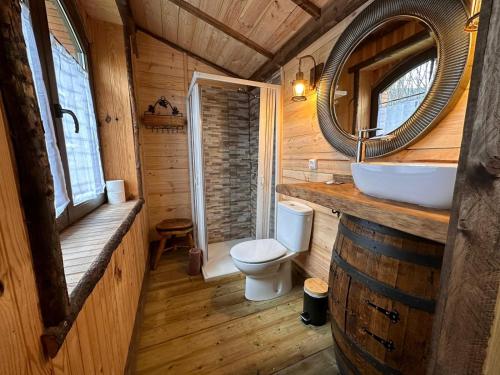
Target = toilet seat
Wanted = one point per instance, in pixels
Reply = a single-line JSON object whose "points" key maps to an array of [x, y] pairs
{"points": [[258, 251]]}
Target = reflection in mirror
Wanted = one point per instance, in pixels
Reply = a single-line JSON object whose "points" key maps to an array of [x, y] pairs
{"points": [[386, 78]]}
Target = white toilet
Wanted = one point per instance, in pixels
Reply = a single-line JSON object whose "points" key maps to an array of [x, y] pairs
{"points": [[267, 263]]}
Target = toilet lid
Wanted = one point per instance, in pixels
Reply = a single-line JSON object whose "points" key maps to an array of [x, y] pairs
{"points": [[258, 251]]}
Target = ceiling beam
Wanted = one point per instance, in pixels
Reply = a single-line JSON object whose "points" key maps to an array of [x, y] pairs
{"points": [[189, 53], [421, 40], [309, 7], [222, 27], [311, 31]]}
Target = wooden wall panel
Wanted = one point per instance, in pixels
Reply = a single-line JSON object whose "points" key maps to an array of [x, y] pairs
{"points": [[302, 140], [160, 70], [113, 104], [20, 346], [99, 339]]}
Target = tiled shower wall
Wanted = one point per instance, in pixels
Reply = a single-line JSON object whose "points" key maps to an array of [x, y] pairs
{"points": [[226, 146]]}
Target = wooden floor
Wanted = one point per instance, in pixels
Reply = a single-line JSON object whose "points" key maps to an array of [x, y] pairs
{"points": [[189, 326]]}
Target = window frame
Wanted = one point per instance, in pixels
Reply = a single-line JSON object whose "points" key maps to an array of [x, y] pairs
{"points": [[393, 75], [42, 36]]}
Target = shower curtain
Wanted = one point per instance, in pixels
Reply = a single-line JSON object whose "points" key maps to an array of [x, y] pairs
{"points": [[267, 126]]}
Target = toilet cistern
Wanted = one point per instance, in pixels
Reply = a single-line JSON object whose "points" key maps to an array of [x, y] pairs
{"points": [[267, 262]]}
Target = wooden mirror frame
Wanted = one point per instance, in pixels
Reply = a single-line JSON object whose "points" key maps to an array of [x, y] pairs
{"points": [[446, 19]]}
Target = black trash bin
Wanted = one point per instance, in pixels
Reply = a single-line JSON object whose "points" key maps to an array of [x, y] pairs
{"points": [[315, 302]]}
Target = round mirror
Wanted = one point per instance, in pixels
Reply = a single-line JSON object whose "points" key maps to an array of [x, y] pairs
{"points": [[386, 78], [396, 69]]}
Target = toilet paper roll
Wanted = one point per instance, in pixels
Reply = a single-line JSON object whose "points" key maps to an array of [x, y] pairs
{"points": [[115, 186], [116, 197]]}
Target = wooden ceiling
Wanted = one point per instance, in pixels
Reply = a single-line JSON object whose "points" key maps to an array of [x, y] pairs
{"points": [[237, 35]]}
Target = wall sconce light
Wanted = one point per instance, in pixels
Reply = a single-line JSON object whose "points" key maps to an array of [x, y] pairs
{"points": [[472, 24], [301, 85]]}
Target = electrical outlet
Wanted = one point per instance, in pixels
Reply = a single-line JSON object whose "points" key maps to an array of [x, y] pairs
{"points": [[313, 164]]}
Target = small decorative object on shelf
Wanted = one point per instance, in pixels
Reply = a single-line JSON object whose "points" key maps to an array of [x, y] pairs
{"points": [[156, 121]]}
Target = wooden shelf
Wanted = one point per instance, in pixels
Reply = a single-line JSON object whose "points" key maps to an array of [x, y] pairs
{"points": [[424, 222]]}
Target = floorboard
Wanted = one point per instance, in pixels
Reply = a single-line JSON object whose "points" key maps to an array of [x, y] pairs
{"points": [[192, 327]]}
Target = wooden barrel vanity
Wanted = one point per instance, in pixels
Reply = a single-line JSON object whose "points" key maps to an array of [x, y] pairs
{"points": [[384, 278], [383, 288]]}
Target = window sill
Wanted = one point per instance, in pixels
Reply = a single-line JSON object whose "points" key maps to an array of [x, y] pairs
{"points": [[87, 247], [83, 242]]}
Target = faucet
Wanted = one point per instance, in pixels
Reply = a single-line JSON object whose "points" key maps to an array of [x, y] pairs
{"points": [[361, 142]]}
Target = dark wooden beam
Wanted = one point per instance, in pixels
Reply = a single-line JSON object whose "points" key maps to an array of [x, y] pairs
{"points": [[311, 31], [189, 53], [222, 27], [470, 276], [35, 182], [414, 40], [309, 7]]}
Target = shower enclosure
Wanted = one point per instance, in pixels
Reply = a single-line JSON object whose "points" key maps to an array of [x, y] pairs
{"points": [[232, 149]]}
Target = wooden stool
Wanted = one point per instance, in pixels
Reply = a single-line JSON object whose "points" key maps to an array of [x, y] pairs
{"points": [[172, 228]]}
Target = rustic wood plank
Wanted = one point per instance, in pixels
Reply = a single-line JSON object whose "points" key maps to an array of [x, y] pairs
{"points": [[470, 279], [117, 136], [33, 173], [83, 283], [20, 347], [321, 363], [420, 221], [225, 333], [312, 30], [309, 7], [222, 27], [189, 53]]}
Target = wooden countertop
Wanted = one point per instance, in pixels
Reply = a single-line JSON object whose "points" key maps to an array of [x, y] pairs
{"points": [[346, 198]]}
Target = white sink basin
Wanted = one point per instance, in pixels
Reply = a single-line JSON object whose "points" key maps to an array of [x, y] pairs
{"points": [[425, 184]]}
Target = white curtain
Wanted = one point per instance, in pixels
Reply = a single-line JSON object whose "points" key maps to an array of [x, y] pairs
{"points": [[82, 148], [267, 126], [56, 168]]}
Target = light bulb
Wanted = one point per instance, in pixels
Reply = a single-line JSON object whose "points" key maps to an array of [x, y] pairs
{"points": [[299, 89]]}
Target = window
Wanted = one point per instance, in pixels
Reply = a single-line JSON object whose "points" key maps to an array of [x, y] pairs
{"points": [[60, 68], [400, 94]]}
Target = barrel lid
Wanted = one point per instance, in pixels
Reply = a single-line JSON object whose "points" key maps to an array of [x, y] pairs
{"points": [[316, 287]]}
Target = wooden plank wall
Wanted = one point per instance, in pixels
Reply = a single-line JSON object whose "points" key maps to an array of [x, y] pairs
{"points": [[98, 341], [302, 140], [112, 97], [160, 70]]}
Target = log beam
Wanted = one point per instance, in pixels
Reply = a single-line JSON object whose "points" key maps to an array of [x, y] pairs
{"points": [[311, 31], [129, 32], [33, 172], [222, 27], [189, 53], [466, 339], [309, 7]]}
